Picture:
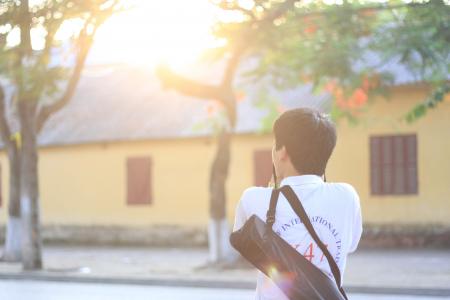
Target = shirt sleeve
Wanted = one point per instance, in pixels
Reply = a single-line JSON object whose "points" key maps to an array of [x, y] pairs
{"points": [[357, 225], [240, 215]]}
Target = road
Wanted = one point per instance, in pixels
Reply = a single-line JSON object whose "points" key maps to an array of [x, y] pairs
{"points": [[41, 290]]}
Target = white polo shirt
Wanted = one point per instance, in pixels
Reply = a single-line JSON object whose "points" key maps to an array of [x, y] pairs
{"points": [[334, 211]]}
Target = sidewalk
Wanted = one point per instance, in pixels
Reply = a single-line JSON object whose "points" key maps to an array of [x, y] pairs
{"points": [[366, 270]]}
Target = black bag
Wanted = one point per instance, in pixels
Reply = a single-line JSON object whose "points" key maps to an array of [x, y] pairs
{"points": [[262, 247]]}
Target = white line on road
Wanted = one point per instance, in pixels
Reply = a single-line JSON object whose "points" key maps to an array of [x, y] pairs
{"points": [[35, 290]]}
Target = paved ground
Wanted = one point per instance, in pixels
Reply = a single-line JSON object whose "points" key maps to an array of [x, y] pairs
{"points": [[25, 290], [407, 270]]}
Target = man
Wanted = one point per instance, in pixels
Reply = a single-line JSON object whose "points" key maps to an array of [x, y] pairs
{"points": [[304, 141]]}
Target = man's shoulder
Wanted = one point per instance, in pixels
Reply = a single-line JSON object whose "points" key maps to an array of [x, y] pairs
{"points": [[345, 191], [342, 186], [256, 191], [255, 194]]}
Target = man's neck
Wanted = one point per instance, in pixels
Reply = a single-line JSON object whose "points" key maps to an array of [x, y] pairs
{"points": [[289, 173], [292, 173]]}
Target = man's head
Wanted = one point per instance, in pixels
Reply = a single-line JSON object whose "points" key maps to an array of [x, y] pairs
{"points": [[304, 141]]}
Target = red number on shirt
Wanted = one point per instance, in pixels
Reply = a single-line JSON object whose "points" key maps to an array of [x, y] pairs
{"points": [[326, 245], [309, 252]]}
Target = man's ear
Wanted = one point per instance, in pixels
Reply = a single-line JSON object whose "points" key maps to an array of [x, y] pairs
{"points": [[283, 154]]}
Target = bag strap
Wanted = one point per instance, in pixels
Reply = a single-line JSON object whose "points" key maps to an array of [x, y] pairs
{"points": [[297, 206], [270, 216]]}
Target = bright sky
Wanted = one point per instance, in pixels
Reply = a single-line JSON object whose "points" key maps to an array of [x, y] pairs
{"points": [[172, 31], [175, 32]]}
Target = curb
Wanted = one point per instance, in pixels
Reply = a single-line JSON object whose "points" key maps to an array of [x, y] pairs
{"points": [[436, 292], [170, 282]]}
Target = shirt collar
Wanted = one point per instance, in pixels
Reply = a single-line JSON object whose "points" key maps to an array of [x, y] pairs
{"points": [[301, 180]]}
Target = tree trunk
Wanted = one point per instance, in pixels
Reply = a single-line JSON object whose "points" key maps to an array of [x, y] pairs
{"points": [[218, 231], [29, 194], [13, 250]]}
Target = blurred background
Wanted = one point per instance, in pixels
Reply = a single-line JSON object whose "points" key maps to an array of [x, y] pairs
{"points": [[130, 128]]}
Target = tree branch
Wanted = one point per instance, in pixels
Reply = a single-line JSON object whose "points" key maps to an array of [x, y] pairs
{"points": [[232, 65], [25, 28], [224, 91], [85, 44], [187, 86], [225, 5], [229, 97], [288, 4], [86, 40], [284, 7]]}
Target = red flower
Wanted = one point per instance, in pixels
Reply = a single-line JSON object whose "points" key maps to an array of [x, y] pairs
{"points": [[330, 86], [311, 29], [359, 97]]}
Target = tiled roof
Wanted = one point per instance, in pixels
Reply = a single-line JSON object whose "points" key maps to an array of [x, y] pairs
{"points": [[120, 102]]}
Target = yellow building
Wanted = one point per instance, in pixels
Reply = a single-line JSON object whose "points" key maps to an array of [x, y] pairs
{"points": [[125, 163]]}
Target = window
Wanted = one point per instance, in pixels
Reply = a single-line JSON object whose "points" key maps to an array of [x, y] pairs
{"points": [[393, 165], [139, 180], [262, 167]]}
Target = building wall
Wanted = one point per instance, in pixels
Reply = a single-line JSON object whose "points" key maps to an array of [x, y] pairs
{"points": [[351, 161], [86, 184]]}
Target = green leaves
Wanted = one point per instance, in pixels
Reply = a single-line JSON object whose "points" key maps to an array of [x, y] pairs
{"points": [[421, 109], [41, 73], [266, 102], [318, 43]]}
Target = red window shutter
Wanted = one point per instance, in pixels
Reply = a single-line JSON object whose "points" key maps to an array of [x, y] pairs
{"points": [[139, 180], [411, 185], [262, 167], [393, 165], [398, 168], [387, 164], [375, 165]]}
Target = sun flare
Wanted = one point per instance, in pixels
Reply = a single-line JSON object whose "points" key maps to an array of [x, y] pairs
{"points": [[174, 32]]}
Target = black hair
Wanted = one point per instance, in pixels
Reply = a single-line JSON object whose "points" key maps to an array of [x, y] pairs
{"points": [[309, 137]]}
